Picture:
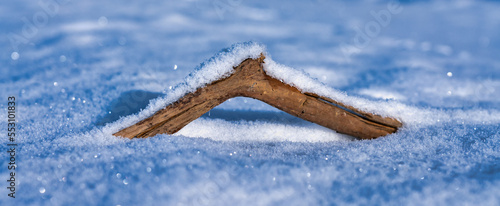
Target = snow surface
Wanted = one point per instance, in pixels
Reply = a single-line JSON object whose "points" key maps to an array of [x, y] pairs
{"points": [[434, 65]]}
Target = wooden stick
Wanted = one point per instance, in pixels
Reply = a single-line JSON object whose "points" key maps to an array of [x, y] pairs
{"points": [[250, 80]]}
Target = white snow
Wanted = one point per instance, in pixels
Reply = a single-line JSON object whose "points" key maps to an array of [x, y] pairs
{"points": [[90, 69]]}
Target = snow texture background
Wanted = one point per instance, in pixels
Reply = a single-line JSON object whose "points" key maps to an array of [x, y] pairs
{"points": [[77, 66]]}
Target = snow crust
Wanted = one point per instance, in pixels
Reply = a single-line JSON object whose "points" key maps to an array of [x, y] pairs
{"points": [[91, 70]]}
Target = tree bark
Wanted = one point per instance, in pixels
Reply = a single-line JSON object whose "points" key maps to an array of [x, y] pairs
{"points": [[250, 80]]}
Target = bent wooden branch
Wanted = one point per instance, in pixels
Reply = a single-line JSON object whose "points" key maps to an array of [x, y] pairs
{"points": [[250, 80]]}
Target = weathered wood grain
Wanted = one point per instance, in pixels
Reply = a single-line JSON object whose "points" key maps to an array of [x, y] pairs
{"points": [[250, 80]]}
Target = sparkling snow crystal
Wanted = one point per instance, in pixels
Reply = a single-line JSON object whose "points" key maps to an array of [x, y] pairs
{"points": [[91, 68]]}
